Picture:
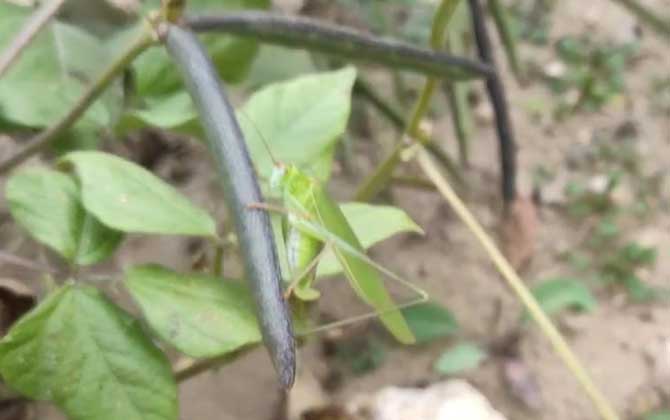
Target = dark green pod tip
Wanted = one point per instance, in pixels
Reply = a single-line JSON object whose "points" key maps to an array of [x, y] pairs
{"points": [[229, 150]]}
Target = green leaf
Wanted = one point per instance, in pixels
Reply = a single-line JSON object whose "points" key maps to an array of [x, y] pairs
{"points": [[659, 415], [637, 254], [361, 354], [372, 224], [232, 56], [127, 197], [201, 316], [51, 75], [47, 204], [430, 321], [558, 294], [172, 112], [300, 119], [460, 358], [90, 358]]}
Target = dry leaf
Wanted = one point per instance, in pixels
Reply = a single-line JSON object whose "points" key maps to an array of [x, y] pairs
{"points": [[519, 232]]}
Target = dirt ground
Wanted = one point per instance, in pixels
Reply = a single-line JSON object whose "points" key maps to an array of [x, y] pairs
{"points": [[619, 342]]}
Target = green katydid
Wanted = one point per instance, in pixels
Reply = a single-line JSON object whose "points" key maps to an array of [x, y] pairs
{"points": [[313, 222]]}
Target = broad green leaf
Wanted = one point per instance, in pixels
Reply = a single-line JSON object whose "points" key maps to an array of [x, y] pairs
{"points": [[172, 112], [372, 224], [51, 75], [363, 274], [127, 197], [561, 293], [460, 358], [90, 358], [201, 316], [47, 204], [300, 119], [659, 415], [430, 321], [232, 56]]}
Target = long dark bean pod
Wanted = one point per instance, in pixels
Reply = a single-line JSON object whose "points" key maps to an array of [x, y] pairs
{"points": [[316, 35], [496, 93], [241, 189]]}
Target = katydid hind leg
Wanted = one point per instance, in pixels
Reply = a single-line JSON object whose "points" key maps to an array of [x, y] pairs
{"points": [[334, 241], [421, 295]]}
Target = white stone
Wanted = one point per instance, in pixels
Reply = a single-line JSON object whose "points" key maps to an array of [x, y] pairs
{"points": [[449, 400]]}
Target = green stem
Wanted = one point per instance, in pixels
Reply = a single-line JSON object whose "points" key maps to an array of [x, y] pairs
{"points": [[457, 92], [381, 177], [414, 182], [362, 88], [46, 137], [35, 24], [312, 34], [509, 42], [660, 25], [190, 370], [457, 95]]}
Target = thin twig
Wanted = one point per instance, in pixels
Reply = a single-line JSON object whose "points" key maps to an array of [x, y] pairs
{"points": [[508, 39], [312, 34], [35, 24], [362, 88], [195, 368], [496, 93], [518, 286], [46, 137]]}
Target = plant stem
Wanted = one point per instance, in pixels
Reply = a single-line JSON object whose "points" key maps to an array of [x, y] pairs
{"points": [[517, 285], [46, 137], [457, 92], [457, 96], [414, 182], [444, 12], [195, 368], [509, 42], [35, 24], [496, 92], [362, 88], [660, 25], [383, 173], [312, 34]]}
